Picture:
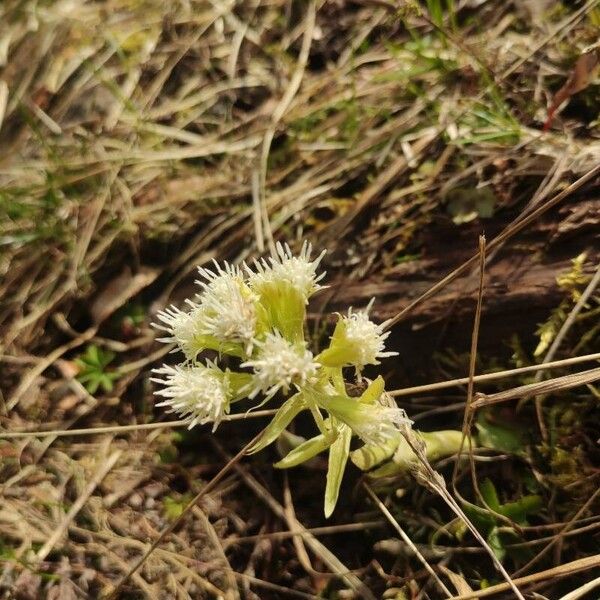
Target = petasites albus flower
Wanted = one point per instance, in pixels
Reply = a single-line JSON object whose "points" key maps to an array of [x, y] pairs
{"points": [[373, 423], [226, 306], [222, 317], [380, 424], [356, 341], [182, 327], [299, 271], [199, 393], [279, 365]]}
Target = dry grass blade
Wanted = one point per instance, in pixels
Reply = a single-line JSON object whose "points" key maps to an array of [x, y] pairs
{"points": [[581, 591], [570, 568], [388, 515], [102, 472], [441, 385], [118, 429], [188, 508], [3, 100], [544, 387]]}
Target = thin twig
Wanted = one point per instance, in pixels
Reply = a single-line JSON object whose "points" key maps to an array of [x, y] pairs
{"points": [[326, 530], [467, 415], [441, 385], [582, 564], [543, 387], [117, 429], [394, 523]]}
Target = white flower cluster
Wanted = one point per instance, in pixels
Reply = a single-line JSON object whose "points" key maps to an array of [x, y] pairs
{"points": [[224, 311], [381, 425], [257, 315], [300, 272], [228, 315], [200, 393], [280, 364]]}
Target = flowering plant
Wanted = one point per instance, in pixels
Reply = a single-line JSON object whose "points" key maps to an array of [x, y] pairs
{"points": [[257, 314]]}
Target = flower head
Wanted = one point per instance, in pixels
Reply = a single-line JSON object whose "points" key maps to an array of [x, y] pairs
{"points": [[299, 271], [227, 311], [366, 336], [374, 423], [378, 424], [279, 365], [356, 341], [182, 327], [200, 393]]}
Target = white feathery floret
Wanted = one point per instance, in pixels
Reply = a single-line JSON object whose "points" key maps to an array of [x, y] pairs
{"points": [[299, 270], [279, 365], [382, 425], [366, 336], [182, 327], [227, 310], [198, 393]]}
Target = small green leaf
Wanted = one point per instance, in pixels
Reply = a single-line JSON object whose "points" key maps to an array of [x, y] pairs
{"points": [[338, 456], [518, 510], [371, 455], [480, 517], [92, 356], [494, 539], [92, 374], [505, 437], [92, 385], [283, 417], [305, 451], [374, 391], [106, 382], [489, 494]]}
